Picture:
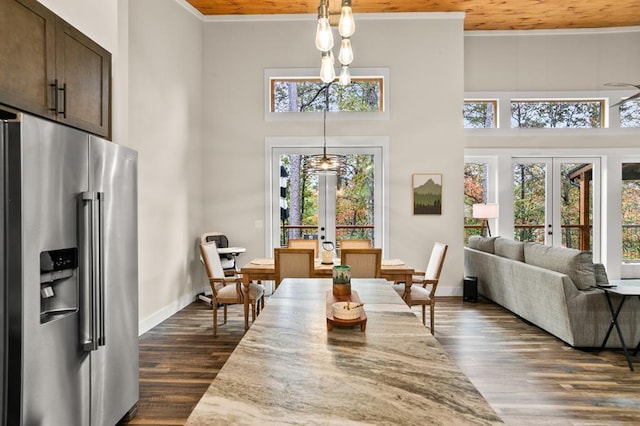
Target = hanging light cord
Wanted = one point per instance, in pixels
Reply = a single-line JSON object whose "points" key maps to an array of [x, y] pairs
{"points": [[326, 107]]}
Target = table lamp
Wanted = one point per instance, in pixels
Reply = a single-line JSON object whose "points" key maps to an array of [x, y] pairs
{"points": [[485, 212]]}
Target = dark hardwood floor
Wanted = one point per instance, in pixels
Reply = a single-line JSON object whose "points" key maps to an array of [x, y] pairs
{"points": [[528, 376]]}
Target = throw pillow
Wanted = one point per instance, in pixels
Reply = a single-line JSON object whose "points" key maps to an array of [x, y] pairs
{"points": [[510, 249], [578, 265], [482, 243], [601, 273]]}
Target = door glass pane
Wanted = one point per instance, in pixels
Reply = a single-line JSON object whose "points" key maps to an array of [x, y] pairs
{"points": [[350, 201], [630, 212], [354, 199], [529, 200], [475, 191], [298, 199], [576, 205]]}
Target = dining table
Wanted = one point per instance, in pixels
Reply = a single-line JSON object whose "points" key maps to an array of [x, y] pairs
{"points": [[291, 368], [263, 269]]}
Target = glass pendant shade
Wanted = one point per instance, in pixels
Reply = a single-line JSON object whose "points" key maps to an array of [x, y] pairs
{"points": [[346, 53], [347, 25], [345, 76], [327, 72], [324, 36]]}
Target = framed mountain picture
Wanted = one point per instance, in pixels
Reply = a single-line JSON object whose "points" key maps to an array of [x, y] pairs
{"points": [[427, 193]]}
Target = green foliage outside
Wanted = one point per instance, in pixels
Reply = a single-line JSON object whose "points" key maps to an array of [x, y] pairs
{"points": [[572, 114], [309, 95], [630, 208], [475, 190], [479, 114], [630, 113], [354, 193]]}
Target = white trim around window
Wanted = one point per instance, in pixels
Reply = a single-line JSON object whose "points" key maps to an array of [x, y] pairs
{"points": [[270, 73]]}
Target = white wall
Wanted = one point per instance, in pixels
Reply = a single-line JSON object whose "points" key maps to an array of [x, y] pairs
{"points": [[98, 19], [550, 60], [425, 57], [165, 121]]}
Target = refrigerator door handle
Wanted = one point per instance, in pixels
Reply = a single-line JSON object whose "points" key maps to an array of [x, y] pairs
{"points": [[99, 247], [89, 307]]}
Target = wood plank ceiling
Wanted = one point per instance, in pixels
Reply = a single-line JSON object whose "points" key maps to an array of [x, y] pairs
{"points": [[480, 14]]}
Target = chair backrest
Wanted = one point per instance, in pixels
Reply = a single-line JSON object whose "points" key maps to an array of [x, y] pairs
{"points": [[436, 260], [364, 262], [304, 243], [221, 240], [293, 263], [351, 244], [211, 260]]}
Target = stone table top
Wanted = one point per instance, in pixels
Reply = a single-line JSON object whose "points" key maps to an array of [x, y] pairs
{"points": [[288, 369]]}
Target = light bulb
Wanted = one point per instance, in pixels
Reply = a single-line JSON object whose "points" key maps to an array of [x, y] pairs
{"points": [[346, 26], [327, 73], [324, 36], [345, 76], [346, 53]]}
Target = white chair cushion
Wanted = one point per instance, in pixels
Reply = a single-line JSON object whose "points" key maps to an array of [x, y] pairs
{"points": [[256, 290], [417, 292], [228, 291]]}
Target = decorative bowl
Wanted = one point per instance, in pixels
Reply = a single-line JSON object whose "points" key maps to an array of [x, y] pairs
{"points": [[346, 310]]}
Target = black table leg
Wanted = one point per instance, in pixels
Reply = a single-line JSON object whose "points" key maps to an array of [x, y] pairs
{"points": [[614, 323]]}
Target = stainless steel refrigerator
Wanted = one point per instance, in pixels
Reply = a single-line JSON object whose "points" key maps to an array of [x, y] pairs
{"points": [[69, 322]]}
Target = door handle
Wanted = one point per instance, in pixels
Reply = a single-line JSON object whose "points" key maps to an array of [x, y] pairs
{"points": [[63, 91], [54, 96], [99, 244], [89, 302]]}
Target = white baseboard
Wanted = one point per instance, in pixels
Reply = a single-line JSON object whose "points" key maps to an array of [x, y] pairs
{"points": [[164, 313]]}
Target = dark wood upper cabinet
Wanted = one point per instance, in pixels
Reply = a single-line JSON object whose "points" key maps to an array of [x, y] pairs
{"points": [[49, 68]]}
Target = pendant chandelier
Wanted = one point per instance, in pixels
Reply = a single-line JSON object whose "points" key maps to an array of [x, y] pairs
{"points": [[324, 42], [325, 163]]}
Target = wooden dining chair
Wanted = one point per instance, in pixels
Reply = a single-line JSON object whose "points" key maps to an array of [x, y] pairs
{"points": [[293, 263], [351, 244], [364, 262], [227, 289], [305, 243], [423, 287]]}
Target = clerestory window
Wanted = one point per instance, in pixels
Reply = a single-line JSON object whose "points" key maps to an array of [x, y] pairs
{"points": [[565, 113], [302, 94], [630, 113], [480, 114]]}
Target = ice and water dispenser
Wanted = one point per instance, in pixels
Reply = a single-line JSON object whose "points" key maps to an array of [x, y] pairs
{"points": [[58, 284]]}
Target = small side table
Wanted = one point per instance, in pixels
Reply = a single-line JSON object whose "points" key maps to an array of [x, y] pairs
{"points": [[626, 289]]}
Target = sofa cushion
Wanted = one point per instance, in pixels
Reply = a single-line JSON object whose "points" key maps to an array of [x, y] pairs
{"points": [[482, 243], [578, 265], [601, 273], [510, 249]]}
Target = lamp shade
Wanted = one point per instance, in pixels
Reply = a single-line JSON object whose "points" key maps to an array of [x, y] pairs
{"points": [[485, 211]]}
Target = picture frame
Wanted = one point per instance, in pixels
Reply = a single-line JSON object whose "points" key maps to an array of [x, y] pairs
{"points": [[427, 193]]}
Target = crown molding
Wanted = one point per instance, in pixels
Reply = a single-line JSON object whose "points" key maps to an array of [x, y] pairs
{"points": [[357, 16], [562, 31]]}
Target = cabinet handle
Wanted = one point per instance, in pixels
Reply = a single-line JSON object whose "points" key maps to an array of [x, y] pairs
{"points": [[63, 91], [54, 96]]}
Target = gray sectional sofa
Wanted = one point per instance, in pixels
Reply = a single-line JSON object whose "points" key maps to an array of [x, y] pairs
{"points": [[551, 287]]}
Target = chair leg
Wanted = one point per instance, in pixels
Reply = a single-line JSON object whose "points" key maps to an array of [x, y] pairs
{"points": [[432, 312], [225, 313], [253, 312], [424, 321], [215, 319]]}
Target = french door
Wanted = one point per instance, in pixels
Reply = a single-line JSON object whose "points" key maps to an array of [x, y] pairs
{"points": [[556, 201], [327, 206]]}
